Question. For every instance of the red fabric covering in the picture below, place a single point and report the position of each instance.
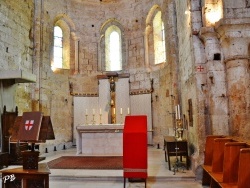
(135, 154)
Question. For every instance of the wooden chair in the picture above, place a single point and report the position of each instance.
(229, 173)
(214, 155)
(243, 171)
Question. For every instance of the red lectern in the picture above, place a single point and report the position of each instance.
(135, 154)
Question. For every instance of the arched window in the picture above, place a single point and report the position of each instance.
(61, 46)
(112, 45)
(155, 44)
(58, 47)
(159, 39)
(113, 53)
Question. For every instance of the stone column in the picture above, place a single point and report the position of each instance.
(235, 40)
(37, 57)
(216, 83)
(76, 41)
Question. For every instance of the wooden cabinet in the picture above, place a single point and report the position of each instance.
(19, 177)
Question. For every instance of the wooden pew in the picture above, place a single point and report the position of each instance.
(208, 156)
(229, 173)
(243, 171)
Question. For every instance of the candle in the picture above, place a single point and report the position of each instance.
(86, 112)
(114, 111)
(100, 111)
(121, 111)
(128, 111)
(179, 114)
(93, 111)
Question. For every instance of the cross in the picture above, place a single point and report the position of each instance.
(199, 68)
(29, 124)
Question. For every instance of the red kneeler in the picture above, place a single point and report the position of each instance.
(135, 153)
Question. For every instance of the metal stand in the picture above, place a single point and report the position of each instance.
(178, 164)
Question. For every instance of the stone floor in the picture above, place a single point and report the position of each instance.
(159, 175)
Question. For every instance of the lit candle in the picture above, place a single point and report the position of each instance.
(86, 112)
(128, 111)
(121, 111)
(100, 111)
(93, 111)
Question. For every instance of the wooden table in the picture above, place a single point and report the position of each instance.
(18, 177)
(175, 147)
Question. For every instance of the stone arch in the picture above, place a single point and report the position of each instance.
(107, 24)
(149, 38)
(68, 28)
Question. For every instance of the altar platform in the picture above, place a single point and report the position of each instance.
(100, 140)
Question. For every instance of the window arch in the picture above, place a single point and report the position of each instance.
(155, 44)
(112, 45)
(113, 53)
(61, 46)
(58, 47)
(159, 39)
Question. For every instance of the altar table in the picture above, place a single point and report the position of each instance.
(100, 140)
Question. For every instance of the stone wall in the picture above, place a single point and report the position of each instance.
(16, 52)
(87, 18)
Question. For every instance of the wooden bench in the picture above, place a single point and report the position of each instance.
(243, 175)
(214, 156)
(229, 173)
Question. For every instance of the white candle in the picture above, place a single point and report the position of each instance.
(86, 112)
(93, 111)
(100, 111)
(179, 114)
(121, 111)
(114, 111)
(128, 111)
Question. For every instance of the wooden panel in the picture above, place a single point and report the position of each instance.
(231, 161)
(218, 154)
(244, 166)
(209, 149)
(8, 119)
(46, 131)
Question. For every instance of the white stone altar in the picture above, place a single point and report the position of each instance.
(100, 140)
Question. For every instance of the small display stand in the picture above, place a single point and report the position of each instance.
(34, 128)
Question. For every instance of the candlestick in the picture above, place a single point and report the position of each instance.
(121, 118)
(86, 119)
(93, 120)
(100, 119)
